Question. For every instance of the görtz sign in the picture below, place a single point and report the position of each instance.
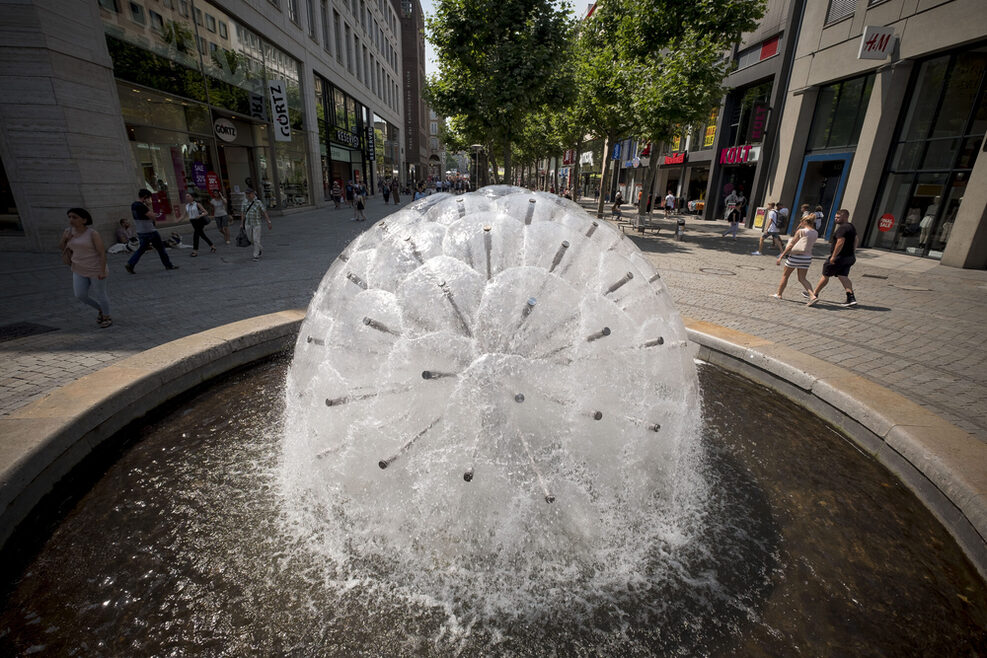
(224, 129)
(748, 153)
(675, 158)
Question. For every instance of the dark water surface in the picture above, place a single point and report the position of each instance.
(178, 549)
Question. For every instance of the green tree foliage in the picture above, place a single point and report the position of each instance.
(646, 66)
(498, 62)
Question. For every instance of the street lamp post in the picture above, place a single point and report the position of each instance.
(476, 166)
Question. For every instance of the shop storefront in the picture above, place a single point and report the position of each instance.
(740, 145)
(386, 143)
(347, 139)
(208, 104)
(836, 124)
(938, 139)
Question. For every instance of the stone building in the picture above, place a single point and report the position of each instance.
(885, 116)
(105, 97)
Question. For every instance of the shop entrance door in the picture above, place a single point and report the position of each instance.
(237, 167)
(821, 183)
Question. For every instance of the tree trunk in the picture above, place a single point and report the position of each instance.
(507, 163)
(647, 185)
(604, 170)
(493, 166)
(575, 184)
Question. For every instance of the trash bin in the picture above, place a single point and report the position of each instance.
(680, 229)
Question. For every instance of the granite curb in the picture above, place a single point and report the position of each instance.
(45, 439)
(943, 465)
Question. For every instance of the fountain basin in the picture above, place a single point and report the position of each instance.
(177, 548)
(940, 463)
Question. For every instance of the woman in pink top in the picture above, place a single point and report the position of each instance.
(799, 255)
(88, 263)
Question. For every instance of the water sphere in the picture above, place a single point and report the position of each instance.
(492, 409)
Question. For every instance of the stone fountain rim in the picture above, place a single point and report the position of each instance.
(942, 464)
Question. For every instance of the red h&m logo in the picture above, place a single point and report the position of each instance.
(675, 158)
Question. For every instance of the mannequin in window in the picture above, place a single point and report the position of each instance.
(909, 227)
(947, 226)
(930, 218)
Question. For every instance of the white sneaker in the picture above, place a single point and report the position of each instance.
(777, 296)
(755, 253)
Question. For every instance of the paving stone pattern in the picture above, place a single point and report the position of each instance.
(918, 328)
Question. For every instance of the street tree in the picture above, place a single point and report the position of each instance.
(667, 61)
(497, 62)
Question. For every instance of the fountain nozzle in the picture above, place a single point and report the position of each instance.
(468, 475)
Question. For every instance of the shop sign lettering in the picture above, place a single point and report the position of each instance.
(212, 181)
(371, 144)
(586, 158)
(257, 107)
(616, 151)
(278, 92)
(199, 174)
(348, 138)
(886, 223)
(739, 154)
(876, 42)
(675, 158)
(225, 130)
(759, 119)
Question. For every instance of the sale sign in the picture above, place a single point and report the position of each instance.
(886, 223)
(212, 181)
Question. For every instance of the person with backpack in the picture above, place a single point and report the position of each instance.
(771, 230)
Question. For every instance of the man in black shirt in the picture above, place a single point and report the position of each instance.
(144, 222)
(841, 259)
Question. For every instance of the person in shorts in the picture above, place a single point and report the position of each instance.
(220, 214)
(799, 255)
(772, 229)
(842, 256)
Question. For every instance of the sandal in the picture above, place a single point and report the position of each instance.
(212, 249)
(194, 254)
(105, 322)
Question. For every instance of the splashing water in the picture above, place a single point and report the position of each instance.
(492, 409)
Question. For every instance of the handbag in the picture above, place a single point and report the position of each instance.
(67, 256)
(241, 238)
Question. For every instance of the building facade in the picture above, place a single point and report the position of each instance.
(886, 116)
(413, 84)
(179, 96)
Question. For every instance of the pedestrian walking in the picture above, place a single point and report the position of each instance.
(618, 200)
(147, 234)
(198, 217)
(386, 191)
(732, 203)
(819, 218)
(842, 256)
(253, 211)
(220, 214)
(771, 230)
(335, 193)
(359, 204)
(82, 247)
(799, 255)
(395, 191)
(783, 217)
(669, 204)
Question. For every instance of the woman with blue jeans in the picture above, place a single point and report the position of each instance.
(88, 263)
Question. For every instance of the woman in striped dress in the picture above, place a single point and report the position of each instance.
(798, 255)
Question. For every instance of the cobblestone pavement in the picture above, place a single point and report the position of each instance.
(919, 327)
